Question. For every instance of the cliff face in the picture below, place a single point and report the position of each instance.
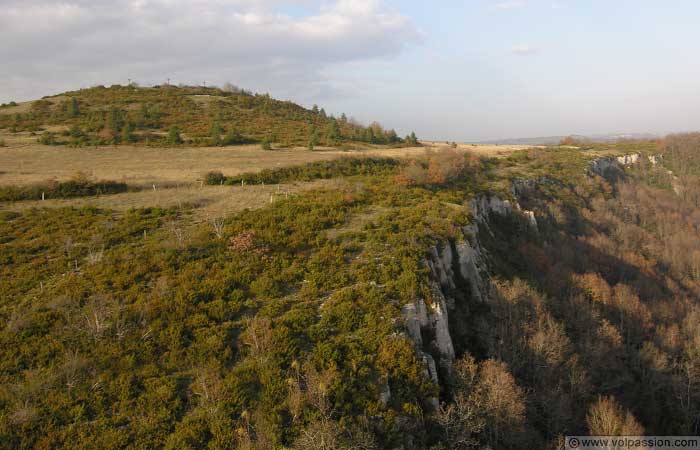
(459, 270)
(445, 324)
(459, 274)
(604, 166)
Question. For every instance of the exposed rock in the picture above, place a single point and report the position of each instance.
(432, 373)
(431, 368)
(412, 323)
(521, 187)
(440, 325)
(603, 166)
(483, 206)
(440, 263)
(468, 258)
(628, 160)
(655, 159)
(385, 395)
(532, 220)
(469, 262)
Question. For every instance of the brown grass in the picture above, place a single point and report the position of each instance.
(208, 201)
(24, 161)
(176, 172)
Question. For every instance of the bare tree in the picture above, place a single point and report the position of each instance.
(217, 224)
(607, 418)
(257, 336)
(96, 315)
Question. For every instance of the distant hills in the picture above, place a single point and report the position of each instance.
(551, 140)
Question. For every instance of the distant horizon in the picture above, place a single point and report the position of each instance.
(491, 140)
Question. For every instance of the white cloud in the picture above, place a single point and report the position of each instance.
(523, 50)
(253, 43)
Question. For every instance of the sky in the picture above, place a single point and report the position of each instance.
(451, 70)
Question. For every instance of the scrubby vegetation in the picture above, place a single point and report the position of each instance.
(282, 327)
(205, 116)
(597, 309)
(79, 185)
(320, 170)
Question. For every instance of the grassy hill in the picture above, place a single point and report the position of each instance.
(171, 115)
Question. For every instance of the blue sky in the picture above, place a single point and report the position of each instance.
(457, 70)
(541, 68)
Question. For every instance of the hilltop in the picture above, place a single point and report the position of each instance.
(173, 115)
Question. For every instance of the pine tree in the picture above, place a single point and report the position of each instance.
(144, 115)
(174, 137)
(73, 107)
(127, 133)
(313, 135)
(114, 121)
(233, 137)
(216, 132)
(315, 109)
(332, 132)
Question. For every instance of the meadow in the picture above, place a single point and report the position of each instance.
(174, 176)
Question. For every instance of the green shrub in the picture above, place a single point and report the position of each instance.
(216, 132)
(233, 137)
(319, 170)
(79, 186)
(174, 137)
(47, 138)
(214, 178)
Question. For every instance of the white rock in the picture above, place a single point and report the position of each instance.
(532, 220)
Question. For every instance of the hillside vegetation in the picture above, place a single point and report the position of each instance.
(172, 115)
(283, 328)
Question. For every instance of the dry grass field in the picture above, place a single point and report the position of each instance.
(207, 202)
(176, 172)
(23, 161)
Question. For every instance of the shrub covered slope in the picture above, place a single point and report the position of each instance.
(284, 329)
(172, 115)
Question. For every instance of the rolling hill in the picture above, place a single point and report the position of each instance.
(170, 115)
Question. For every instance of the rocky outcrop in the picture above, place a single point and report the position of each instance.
(655, 159)
(628, 160)
(609, 164)
(454, 266)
